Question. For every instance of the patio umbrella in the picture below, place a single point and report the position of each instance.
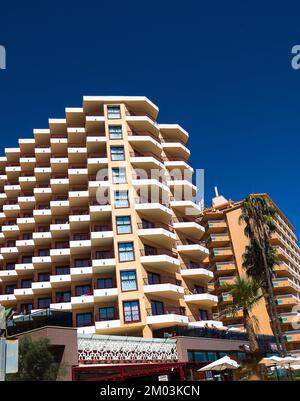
(221, 364)
(276, 360)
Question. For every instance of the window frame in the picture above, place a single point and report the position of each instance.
(135, 279)
(119, 253)
(123, 225)
(131, 301)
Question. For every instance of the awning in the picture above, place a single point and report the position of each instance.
(221, 364)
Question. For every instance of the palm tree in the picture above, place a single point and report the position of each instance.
(246, 294)
(260, 256)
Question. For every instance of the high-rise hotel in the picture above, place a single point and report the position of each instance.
(98, 219)
(226, 241)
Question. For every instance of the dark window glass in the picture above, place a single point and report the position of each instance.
(84, 319)
(157, 308)
(62, 270)
(83, 290)
(44, 303)
(104, 283)
(131, 311)
(107, 313)
(128, 280)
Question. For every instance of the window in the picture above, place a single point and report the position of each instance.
(113, 112)
(203, 315)
(123, 224)
(9, 289)
(62, 270)
(121, 199)
(44, 303)
(131, 311)
(44, 252)
(157, 308)
(84, 319)
(83, 290)
(128, 280)
(10, 266)
(26, 308)
(27, 259)
(63, 296)
(26, 283)
(153, 278)
(107, 313)
(115, 132)
(104, 283)
(198, 289)
(125, 251)
(82, 262)
(117, 153)
(44, 277)
(119, 175)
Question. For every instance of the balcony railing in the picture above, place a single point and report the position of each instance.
(162, 280)
(166, 310)
(158, 251)
(149, 225)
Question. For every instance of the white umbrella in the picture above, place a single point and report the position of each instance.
(221, 364)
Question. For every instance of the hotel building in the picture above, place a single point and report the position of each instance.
(226, 242)
(88, 228)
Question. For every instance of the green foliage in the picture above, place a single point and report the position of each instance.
(245, 293)
(260, 256)
(36, 363)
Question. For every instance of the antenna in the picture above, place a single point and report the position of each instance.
(216, 191)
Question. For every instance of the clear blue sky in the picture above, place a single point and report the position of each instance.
(221, 69)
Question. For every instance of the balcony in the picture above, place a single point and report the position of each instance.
(216, 226)
(26, 202)
(183, 189)
(95, 184)
(25, 245)
(11, 230)
(60, 254)
(80, 246)
(59, 164)
(24, 268)
(186, 207)
(225, 297)
(165, 289)
(107, 326)
(23, 293)
(42, 194)
(225, 267)
(222, 253)
(26, 223)
(219, 239)
(224, 281)
(77, 154)
(104, 262)
(175, 148)
(178, 164)
(292, 336)
(288, 300)
(78, 198)
(198, 251)
(289, 318)
(80, 273)
(146, 161)
(171, 316)
(102, 235)
(11, 210)
(143, 123)
(285, 285)
(96, 162)
(144, 143)
(202, 300)
(157, 232)
(105, 294)
(10, 251)
(77, 175)
(160, 258)
(41, 287)
(174, 132)
(82, 301)
(26, 182)
(59, 185)
(94, 124)
(212, 324)
(151, 185)
(42, 215)
(190, 228)
(60, 280)
(7, 299)
(64, 306)
(102, 212)
(197, 273)
(96, 143)
(155, 210)
(79, 221)
(58, 230)
(8, 275)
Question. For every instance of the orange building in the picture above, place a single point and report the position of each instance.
(226, 241)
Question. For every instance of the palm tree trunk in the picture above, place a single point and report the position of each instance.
(254, 347)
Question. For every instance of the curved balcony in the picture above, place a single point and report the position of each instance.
(160, 258)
